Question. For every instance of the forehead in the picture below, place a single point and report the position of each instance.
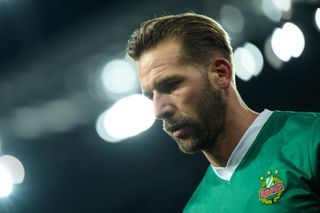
(165, 54)
(158, 62)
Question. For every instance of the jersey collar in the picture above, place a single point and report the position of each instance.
(243, 146)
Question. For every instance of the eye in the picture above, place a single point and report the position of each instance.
(148, 95)
(169, 86)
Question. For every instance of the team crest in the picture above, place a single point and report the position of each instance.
(271, 189)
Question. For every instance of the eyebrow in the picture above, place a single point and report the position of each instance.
(162, 82)
(167, 79)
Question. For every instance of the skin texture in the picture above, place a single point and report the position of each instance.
(200, 108)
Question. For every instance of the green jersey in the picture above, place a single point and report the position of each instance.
(278, 173)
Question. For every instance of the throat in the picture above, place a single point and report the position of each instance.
(219, 152)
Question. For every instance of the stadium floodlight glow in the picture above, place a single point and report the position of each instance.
(28, 122)
(119, 77)
(243, 63)
(283, 5)
(14, 167)
(248, 61)
(5, 182)
(257, 56)
(231, 19)
(127, 117)
(295, 38)
(271, 10)
(102, 131)
(287, 42)
(276, 9)
(280, 45)
(317, 18)
(270, 56)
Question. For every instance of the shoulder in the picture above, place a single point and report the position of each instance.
(295, 120)
(295, 126)
(297, 116)
(299, 133)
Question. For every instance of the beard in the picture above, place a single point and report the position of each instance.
(206, 124)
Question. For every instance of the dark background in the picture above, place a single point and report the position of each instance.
(49, 50)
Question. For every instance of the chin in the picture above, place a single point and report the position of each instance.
(189, 146)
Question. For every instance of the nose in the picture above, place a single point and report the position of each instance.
(163, 106)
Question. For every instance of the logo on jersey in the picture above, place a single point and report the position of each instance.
(271, 189)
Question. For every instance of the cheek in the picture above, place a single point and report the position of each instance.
(189, 96)
(189, 100)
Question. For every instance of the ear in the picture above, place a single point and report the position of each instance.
(222, 69)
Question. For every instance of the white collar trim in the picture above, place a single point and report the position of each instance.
(243, 146)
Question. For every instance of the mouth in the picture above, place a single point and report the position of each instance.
(179, 131)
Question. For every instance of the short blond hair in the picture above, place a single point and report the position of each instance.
(200, 37)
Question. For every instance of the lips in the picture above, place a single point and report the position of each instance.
(179, 131)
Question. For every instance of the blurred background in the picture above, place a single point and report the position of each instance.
(76, 136)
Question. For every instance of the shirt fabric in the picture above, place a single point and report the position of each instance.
(243, 146)
(278, 171)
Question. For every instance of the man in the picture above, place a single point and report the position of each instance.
(267, 162)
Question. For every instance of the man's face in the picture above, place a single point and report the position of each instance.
(192, 110)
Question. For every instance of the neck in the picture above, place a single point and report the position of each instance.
(238, 119)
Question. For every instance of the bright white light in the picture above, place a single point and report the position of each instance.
(243, 63)
(271, 10)
(287, 42)
(248, 61)
(14, 167)
(295, 38)
(280, 45)
(317, 18)
(5, 182)
(102, 131)
(284, 5)
(231, 19)
(257, 58)
(119, 77)
(127, 117)
(270, 56)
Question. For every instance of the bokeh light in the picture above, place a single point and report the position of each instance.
(127, 117)
(270, 56)
(257, 56)
(283, 5)
(5, 182)
(231, 19)
(276, 9)
(119, 78)
(271, 11)
(27, 123)
(287, 41)
(101, 130)
(53, 116)
(14, 168)
(317, 18)
(248, 61)
(60, 115)
(243, 61)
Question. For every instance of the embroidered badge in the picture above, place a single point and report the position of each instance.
(271, 189)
